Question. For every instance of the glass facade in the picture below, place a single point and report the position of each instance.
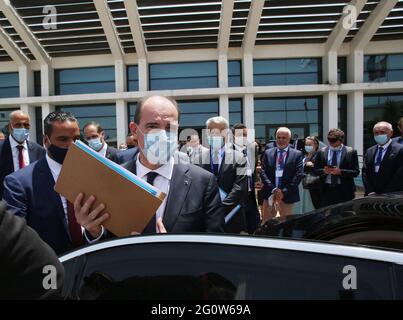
(235, 111)
(341, 69)
(104, 114)
(4, 117)
(380, 68)
(234, 73)
(381, 108)
(9, 85)
(131, 109)
(37, 84)
(186, 75)
(287, 71)
(132, 78)
(39, 125)
(85, 80)
(302, 115)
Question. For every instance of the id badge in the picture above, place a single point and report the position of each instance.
(279, 173)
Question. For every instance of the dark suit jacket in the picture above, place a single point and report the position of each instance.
(231, 178)
(35, 152)
(348, 165)
(193, 203)
(29, 194)
(111, 152)
(122, 156)
(292, 174)
(390, 175)
(23, 256)
(398, 139)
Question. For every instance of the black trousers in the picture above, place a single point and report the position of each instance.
(334, 195)
(315, 197)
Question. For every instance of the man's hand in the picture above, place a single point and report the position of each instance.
(327, 170)
(335, 171)
(160, 228)
(309, 164)
(278, 195)
(90, 218)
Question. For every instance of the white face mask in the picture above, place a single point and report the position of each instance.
(159, 145)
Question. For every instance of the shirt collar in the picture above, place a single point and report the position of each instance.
(285, 149)
(14, 143)
(165, 170)
(103, 149)
(386, 145)
(55, 167)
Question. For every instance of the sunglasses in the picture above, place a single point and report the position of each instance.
(332, 140)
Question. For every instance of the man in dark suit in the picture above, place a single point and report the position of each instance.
(192, 203)
(399, 139)
(337, 166)
(16, 152)
(30, 192)
(230, 169)
(95, 137)
(282, 171)
(250, 151)
(382, 170)
(24, 258)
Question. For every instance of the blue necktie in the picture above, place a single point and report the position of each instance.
(379, 158)
(215, 162)
(152, 225)
(334, 163)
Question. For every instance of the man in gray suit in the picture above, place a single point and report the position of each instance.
(192, 203)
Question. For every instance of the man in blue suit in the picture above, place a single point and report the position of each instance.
(399, 139)
(16, 152)
(29, 192)
(281, 174)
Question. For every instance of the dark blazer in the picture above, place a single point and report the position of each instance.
(349, 169)
(110, 152)
(292, 173)
(122, 156)
(29, 194)
(35, 152)
(193, 203)
(390, 175)
(23, 256)
(231, 178)
(398, 139)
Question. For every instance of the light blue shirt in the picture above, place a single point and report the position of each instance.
(329, 162)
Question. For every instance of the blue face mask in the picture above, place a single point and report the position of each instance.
(216, 142)
(381, 139)
(20, 134)
(159, 146)
(308, 149)
(95, 144)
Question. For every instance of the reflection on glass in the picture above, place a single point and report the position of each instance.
(9, 85)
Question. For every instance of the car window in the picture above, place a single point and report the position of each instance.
(214, 271)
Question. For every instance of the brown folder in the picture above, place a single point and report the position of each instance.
(130, 201)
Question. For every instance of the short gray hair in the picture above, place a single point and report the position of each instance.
(384, 124)
(284, 129)
(218, 120)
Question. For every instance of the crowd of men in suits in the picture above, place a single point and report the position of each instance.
(209, 189)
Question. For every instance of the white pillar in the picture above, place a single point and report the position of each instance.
(120, 76)
(223, 71)
(26, 80)
(121, 121)
(329, 66)
(47, 80)
(249, 114)
(143, 74)
(46, 109)
(355, 121)
(330, 114)
(30, 110)
(247, 68)
(355, 67)
(224, 107)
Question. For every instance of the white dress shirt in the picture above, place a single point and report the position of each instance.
(161, 182)
(15, 152)
(102, 152)
(55, 168)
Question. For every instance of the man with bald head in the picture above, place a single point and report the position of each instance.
(16, 152)
(382, 170)
(281, 174)
(192, 202)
